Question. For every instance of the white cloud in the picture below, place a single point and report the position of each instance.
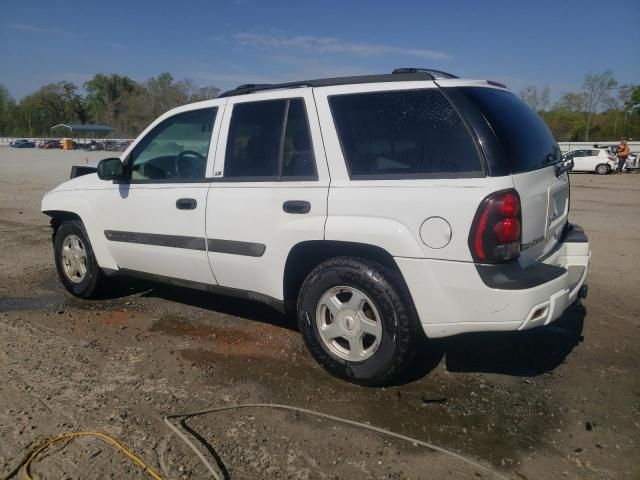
(25, 27)
(313, 44)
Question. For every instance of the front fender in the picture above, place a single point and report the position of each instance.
(69, 201)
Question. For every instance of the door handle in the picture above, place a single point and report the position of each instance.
(186, 204)
(296, 206)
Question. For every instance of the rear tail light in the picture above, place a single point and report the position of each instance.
(496, 232)
(611, 158)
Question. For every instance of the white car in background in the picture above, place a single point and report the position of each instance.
(598, 160)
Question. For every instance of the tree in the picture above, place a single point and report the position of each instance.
(204, 93)
(596, 88)
(7, 105)
(49, 105)
(529, 93)
(538, 100)
(164, 93)
(545, 99)
(571, 102)
(105, 95)
(634, 103)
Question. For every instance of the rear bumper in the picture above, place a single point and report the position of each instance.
(459, 297)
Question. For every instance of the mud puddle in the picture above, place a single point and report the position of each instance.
(256, 341)
(18, 304)
(470, 413)
(459, 411)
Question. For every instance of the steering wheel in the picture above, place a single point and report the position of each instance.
(190, 164)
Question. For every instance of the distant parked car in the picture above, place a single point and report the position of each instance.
(598, 160)
(23, 143)
(122, 146)
(92, 146)
(51, 144)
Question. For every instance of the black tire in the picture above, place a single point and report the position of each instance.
(603, 169)
(401, 329)
(89, 284)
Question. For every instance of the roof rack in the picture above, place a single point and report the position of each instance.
(398, 75)
(436, 74)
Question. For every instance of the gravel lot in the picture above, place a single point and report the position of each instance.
(557, 402)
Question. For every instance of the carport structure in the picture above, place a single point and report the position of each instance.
(84, 128)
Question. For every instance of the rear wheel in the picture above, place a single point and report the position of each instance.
(603, 169)
(358, 320)
(75, 262)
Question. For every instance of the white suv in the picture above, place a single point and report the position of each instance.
(378, 208)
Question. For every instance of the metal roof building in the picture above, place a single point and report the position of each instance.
(80, 128)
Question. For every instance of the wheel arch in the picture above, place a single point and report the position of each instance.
(59, 216)
(305, 256)
(60, 207)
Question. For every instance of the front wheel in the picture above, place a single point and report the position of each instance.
(603, 169)
(358, 320)
(75, 262)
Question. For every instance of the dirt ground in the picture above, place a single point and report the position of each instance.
(557, 402)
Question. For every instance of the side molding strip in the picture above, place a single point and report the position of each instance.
(160, 240)
(236, 247)
(232, 247)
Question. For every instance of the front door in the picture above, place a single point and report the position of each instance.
(155, 220)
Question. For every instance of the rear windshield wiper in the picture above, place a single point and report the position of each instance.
(551, 159)
(564, 166)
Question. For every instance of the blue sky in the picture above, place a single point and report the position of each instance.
(229, 42)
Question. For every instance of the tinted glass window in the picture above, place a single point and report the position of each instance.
(269, 139)
(403, 134)
(527, 142)
(297, 150)
(176, 149)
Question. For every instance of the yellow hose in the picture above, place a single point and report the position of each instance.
(104, 436)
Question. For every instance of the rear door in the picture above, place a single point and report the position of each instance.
(532, 155)
(269, 191)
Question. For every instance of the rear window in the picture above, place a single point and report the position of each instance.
(527, 142)
(403, 134)
(270, 140)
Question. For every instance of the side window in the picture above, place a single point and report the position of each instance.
(270, 140)
(297, 151)
(176, 149)
(403, 134)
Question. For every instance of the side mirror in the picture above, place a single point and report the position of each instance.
(110, 169)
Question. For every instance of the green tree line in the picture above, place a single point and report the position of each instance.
(601, 110)
(116, 100)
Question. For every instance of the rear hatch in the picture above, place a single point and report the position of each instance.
(531, 155)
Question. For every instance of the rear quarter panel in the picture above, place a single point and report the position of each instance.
(389, 213)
